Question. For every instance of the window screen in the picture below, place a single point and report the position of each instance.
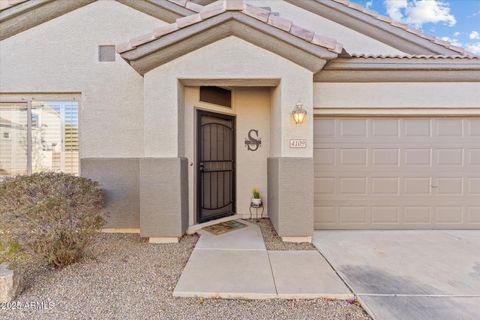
(216, 95)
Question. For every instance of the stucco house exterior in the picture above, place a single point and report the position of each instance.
(180, 108)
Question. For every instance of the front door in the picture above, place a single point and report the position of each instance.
(215, 166)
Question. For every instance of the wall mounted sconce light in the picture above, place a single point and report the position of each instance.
(299, 113)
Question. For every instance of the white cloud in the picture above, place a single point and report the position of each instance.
(475, 14)
(473, 48)
(419, 12)
(369, 4)
(456, 34)
(453, 41)
(474, 35)
(395, 8)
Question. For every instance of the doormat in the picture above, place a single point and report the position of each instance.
(224, 227)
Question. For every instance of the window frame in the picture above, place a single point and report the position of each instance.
(27, 99)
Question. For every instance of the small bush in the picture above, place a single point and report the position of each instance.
(53, 216)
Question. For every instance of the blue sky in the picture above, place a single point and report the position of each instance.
(457, 21)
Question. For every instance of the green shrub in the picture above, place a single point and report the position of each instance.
(50, 215)
(9, 252)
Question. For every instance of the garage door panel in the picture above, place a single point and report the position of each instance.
(385, 128)
(326, 215)
(417, 157)
(353, 156)
(325, 156)
(397, 173)
(385, 186)
(353, 185)
(473, 127)
(325, 185)
(417, 215)
(449, 215)
(417, 186)
(473, 215)
(416, 128)
(324, 128)
(382, 215)
(448, 186)
(352, 128)
(353, 215)
(473, 157)
(385, 156)
(474, 185)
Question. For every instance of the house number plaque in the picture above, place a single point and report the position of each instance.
(298, 143)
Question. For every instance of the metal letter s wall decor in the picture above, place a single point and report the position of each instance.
(253, 142)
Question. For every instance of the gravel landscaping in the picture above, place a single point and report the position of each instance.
(273, 240)
(124, 277)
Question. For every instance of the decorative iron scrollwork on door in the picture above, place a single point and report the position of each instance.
(253, 142)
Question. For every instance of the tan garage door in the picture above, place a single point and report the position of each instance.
(397, 173)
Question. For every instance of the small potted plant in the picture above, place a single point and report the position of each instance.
(256, 200)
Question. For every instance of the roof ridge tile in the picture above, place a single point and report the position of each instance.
(219, 7)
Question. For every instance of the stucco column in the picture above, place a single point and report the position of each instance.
(163, 198)
(163, 178)
(290, 165)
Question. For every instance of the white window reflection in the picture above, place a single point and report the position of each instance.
(54, 138)
(13, 139)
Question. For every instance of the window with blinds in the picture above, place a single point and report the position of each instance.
(48, 142)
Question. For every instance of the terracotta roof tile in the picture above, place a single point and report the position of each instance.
(324, 41)
(231, 5)
(216, 8)
(280, 22)
(261, 14)
(212, 10)
(194, 6)
(303, 33)
(163, 30)
(415, 56)
(188, 20)
(401, 26)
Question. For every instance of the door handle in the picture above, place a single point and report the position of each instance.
(201, 167)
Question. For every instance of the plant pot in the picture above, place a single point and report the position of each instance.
(256, 202)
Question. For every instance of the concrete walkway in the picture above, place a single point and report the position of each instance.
(237, 265)
(411, 275)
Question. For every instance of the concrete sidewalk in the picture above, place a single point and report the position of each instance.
(237, 265)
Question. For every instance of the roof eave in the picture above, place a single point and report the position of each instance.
(164, 10)
(400, 70)
(166, 48)
(29, 14)
(26, 15)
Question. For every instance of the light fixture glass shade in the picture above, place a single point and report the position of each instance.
(299, 113)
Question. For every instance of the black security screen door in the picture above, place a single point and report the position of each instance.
(216, 166)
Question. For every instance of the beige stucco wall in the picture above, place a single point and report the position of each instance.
(229, 58)
(353, 41)
(397, 95)
(62, 56)
(251, 108)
